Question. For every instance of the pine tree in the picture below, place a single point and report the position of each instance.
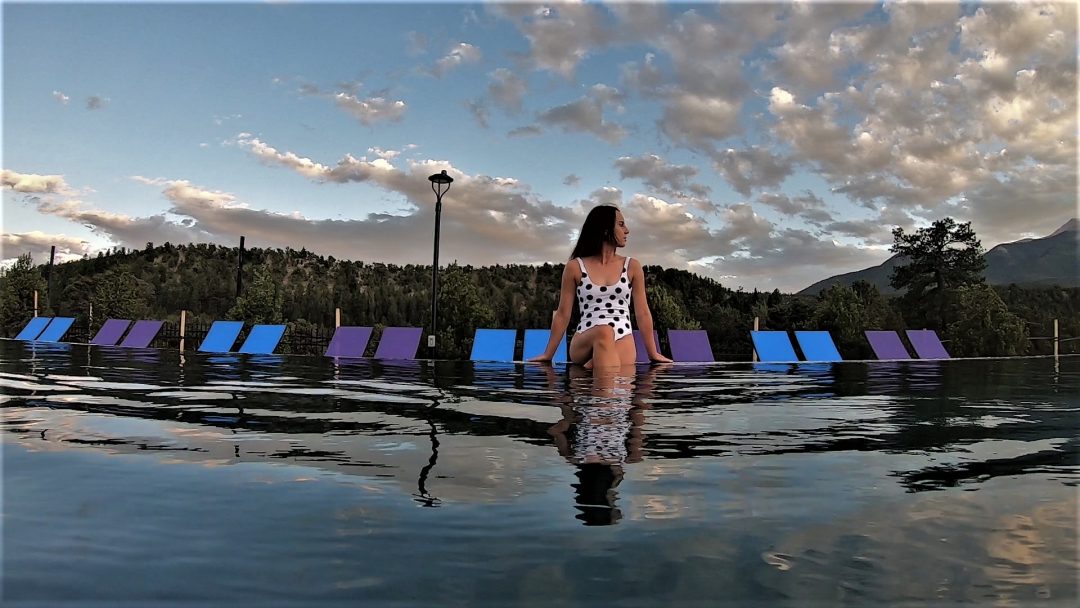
(17, 286)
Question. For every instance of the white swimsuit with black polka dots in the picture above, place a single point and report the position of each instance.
(605, 304)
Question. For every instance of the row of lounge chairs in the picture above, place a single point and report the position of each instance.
(262, 339)
(488, 344)
(396, 342)
(693, 345)
(776, 346)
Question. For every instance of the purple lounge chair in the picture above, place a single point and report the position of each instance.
(887, 345)
(142, 334)
(399, 343)
(927, 344)
(349, 341)
(639, 343)
(110, 332)
(690, 345)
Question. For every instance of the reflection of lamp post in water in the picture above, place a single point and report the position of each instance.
(440, 184)
(422, 496)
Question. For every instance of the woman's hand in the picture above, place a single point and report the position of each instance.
(658, 358)
(543, 358)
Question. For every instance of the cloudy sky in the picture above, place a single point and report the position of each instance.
(766, 146)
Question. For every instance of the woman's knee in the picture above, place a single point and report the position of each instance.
(605, 337)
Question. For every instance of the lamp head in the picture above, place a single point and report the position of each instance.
(441, 178)
(440, 183)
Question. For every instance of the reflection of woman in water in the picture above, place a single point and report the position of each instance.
(601, 430)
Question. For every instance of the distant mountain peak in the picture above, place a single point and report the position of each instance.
(1069, 226)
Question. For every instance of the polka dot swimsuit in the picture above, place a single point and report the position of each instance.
(605, 304)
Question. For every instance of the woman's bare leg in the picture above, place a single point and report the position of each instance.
(597, 344)
(627, 351)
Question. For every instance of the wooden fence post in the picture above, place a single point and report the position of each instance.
(1057, 338)
(753, 351)
(337, 318)
(35, 303)
(183, 328)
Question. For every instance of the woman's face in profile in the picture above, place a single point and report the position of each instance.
(621, 232)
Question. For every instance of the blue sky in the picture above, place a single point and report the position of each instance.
(766, 146)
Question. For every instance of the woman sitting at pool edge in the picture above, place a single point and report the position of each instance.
(603, 283)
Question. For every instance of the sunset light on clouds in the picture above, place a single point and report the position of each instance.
(766, 146)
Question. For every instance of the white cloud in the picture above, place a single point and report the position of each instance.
(560, 35)
(459, 55)
(61, 97)
(39, 245)
(479, 112)
(416, 43)
(807, 205)
(507, 90)
(698, 121)
(657, 173)
(752, 168)
(587, 114)
(31, 183)
(371, 110)
(669, 181)
(526, 131)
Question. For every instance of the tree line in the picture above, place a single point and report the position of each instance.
(942, 289)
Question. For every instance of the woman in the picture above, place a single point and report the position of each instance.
(603, 283)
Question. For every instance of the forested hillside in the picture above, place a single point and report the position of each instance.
(304, 289)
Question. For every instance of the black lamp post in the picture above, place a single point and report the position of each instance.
(440, 184)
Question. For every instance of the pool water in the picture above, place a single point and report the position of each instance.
(147, 477)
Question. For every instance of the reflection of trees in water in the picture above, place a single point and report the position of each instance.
(926, 406)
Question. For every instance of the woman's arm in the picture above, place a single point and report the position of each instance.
(561, 318)
(642, 313)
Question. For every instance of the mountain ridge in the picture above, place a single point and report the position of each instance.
(1050, 260)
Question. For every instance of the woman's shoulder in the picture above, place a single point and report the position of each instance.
(573, 267)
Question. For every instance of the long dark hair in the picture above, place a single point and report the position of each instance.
(599, 228)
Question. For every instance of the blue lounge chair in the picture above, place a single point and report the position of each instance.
(221, 337)
(817, 346)
(33, 328)
(349, 341)
(493, 345)
(263, 339)
(536, 341)
(690, 345)
(773, 346)
(56, 329)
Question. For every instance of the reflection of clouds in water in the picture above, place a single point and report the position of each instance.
(1027, 548)
(990, 546)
